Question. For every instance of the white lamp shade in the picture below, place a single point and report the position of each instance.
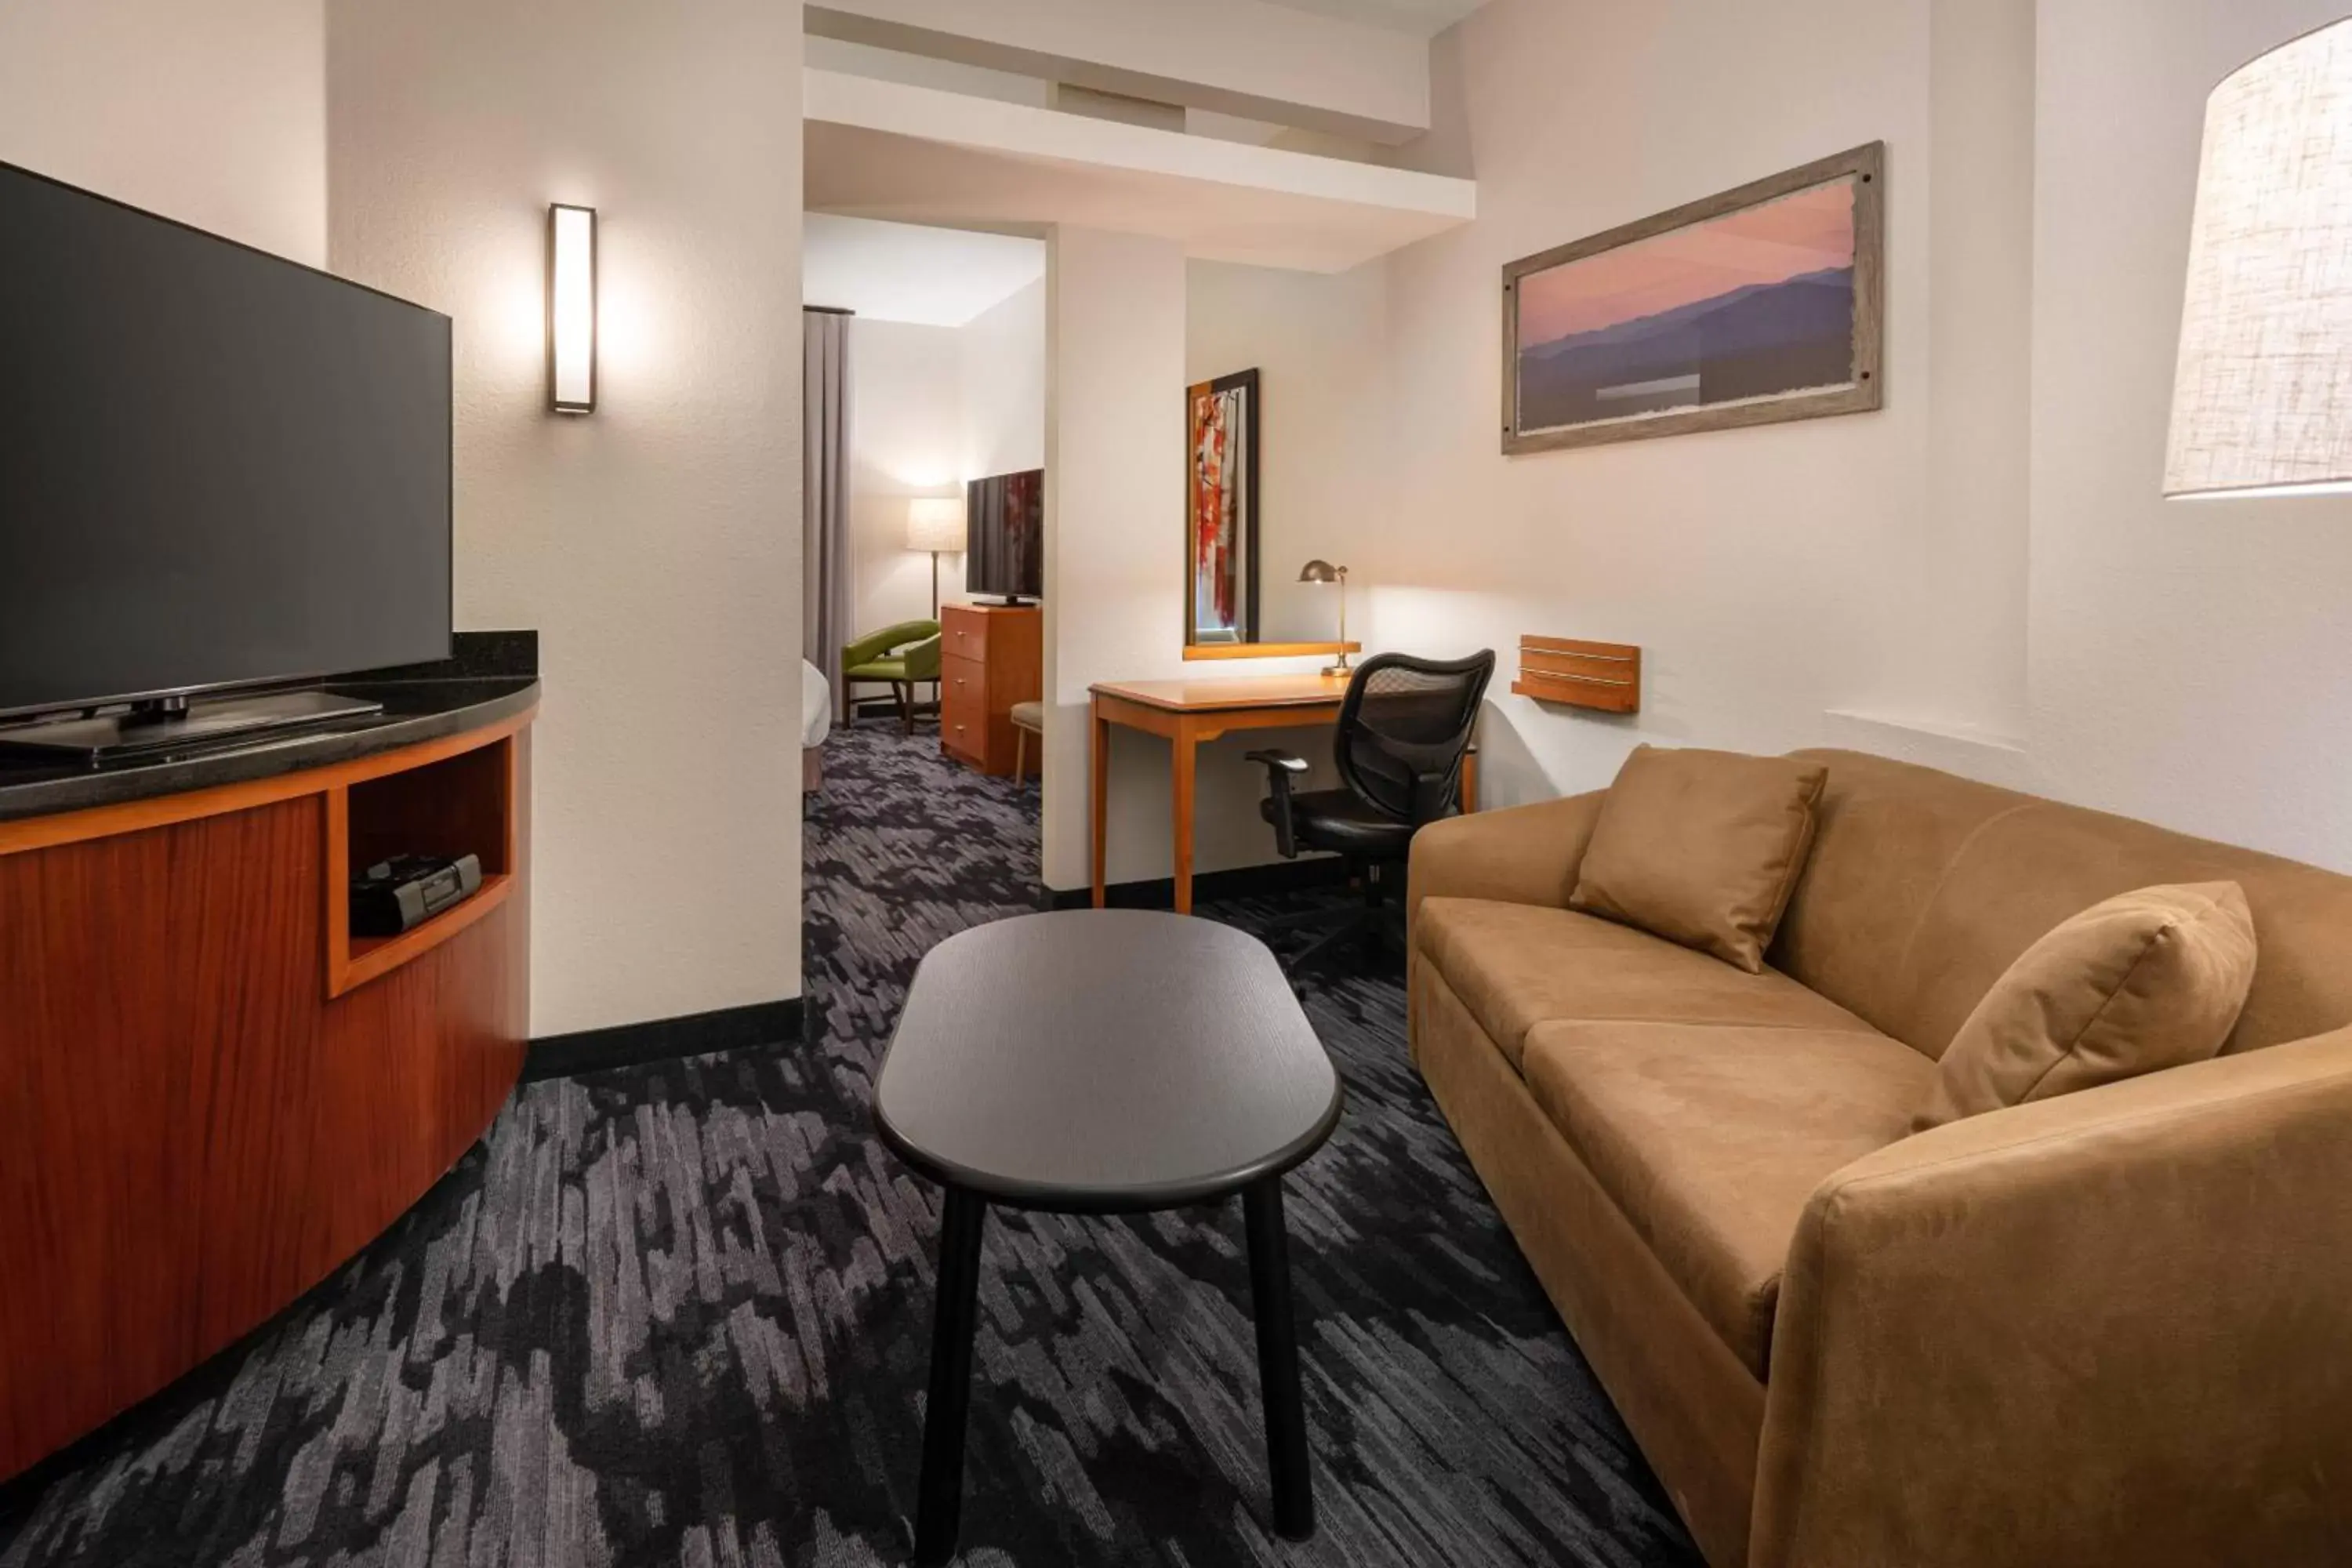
(2262, 398)
(935, 522)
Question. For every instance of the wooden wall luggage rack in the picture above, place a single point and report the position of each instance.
(1603, 676)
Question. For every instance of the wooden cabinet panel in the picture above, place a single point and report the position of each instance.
(963, 680)
(994, 657)
(963, 709)
(964, 631)
(195, 1132)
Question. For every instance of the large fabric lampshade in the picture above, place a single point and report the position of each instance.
(935, 522)
(2262, 398)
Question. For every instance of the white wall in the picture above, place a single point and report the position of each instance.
(214, 114)
(906, 439)
(1770, 573)
(655, 543)
(931, 407)
(1965, 669)
(1003, 372)
(1983, 576)
(1114, 513)
(2191, 663)
(1319, 343)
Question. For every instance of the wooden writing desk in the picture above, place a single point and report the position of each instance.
(1189, 713)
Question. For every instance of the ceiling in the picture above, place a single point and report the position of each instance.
(1421, 18)
(908, 272)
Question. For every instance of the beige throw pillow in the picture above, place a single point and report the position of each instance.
(2146, 980)
(1702, 849)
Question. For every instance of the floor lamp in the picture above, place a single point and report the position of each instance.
(2265, 367)
(935, 523)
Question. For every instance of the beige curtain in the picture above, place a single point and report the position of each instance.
(826, 579)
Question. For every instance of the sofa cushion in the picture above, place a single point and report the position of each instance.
(1515, 965)
(1710, 1139)
(2142, 981)
(1702, 848)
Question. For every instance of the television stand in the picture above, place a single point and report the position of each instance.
(170, 725)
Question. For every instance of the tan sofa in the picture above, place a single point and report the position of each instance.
(2109, 1328)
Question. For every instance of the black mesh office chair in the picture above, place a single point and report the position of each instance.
(1405, 728)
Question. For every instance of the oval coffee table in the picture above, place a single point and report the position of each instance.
(1104, 1062)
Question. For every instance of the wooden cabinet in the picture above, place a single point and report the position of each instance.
(212, 1094)
(991, 656)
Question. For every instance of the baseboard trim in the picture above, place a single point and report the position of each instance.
(1242, 882)
(664, 1039)
(882, 708)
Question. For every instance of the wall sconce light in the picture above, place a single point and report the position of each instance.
(571, 308)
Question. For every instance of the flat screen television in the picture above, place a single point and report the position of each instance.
(1005, 536)
(218, 468)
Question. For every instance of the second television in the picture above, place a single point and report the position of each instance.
(1004, 550)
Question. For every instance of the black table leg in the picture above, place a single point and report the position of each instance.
(938, 1500)
(1277, 1361)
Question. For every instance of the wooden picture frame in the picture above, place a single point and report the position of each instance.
(1620, 336)
(1221, 511)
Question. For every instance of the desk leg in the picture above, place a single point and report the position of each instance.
(1098, 810)
(1470, 782)
(1183, 761)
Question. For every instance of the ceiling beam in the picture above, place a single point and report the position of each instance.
(1243, 57)
(916, 155)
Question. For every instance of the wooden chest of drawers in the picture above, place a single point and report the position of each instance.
(990, 657)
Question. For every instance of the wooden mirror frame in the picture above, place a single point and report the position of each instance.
(1269, 649)
(1246, 383)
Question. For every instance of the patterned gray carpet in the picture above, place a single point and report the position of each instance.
(680, 1315)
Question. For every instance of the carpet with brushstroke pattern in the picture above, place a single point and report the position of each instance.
(680, 1315)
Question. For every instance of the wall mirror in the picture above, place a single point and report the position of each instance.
(1228, 612)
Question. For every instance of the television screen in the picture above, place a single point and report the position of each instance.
(217, 467)
(1004, 539)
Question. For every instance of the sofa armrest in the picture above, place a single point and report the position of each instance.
(1522, 855)
(2114, 1326)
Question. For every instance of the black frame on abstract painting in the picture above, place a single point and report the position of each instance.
(1246, 629)
(1674, 336)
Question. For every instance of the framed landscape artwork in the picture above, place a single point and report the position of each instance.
(1757, 305)
(1221, 511)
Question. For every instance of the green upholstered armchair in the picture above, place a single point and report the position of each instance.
(899, 655)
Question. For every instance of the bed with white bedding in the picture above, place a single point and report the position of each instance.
(816, 723)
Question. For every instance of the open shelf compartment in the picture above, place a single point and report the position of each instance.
(458, 805)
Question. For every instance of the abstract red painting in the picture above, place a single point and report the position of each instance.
(1221, 550)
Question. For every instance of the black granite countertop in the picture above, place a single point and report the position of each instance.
(489, 676)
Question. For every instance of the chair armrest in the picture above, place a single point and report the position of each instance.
(923, 658)
(1281, 768)
(875, 645)
(2114, 1326)
(1522, 855)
